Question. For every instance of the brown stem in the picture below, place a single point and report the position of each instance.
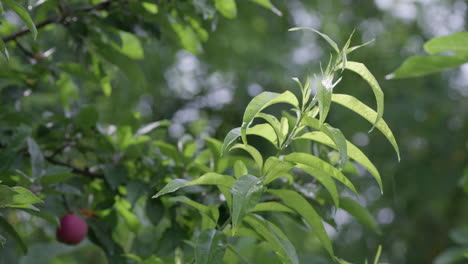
(61, 19)
(84, 172)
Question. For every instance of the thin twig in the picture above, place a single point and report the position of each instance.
(84, 172)
(61, 19)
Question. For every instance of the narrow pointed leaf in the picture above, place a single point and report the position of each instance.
(362, 70)
(325, 179)
(274, 123)
(23, 14)
(268, 5)
(377, 255)
(324, 100)
(4, 50)
(361, 213)
(246, 193)
(230, 138)
(206, 179)
(210, 247)
(319, 164)
(334, 134)
(327, 38)
(274, 237)
(284, 126)
(370, 115)
(359, 46)
(299, 204)
(272, 207)
(254, 153)
(260, 102)
(37, 159)
(353, 152)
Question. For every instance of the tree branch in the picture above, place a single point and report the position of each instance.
(84, 172)
(61, 19)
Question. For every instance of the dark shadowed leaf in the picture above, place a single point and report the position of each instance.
(246, 193)
(274, 237)
(6, 227)
(210, 247)
(299, 204)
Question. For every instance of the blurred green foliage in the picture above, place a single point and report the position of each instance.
(89, 88)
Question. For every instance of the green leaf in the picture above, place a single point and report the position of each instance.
(187, 36)
(23, 14)
(23, 197)
(254, 153)
(333, 133)
(353, 152)
(274, 237)
(324, 178)
(275, 124)
(246, 193)
(327, 38)
(123, 207)
(227, 8)
(206, 179)
(210, 247)
(275, 168)
(115, 175)
(324, 100)
(150, 7)
(363, 110)
(2, 238)
(128, 66)
(260, 102)
(456, 42)
(267, 4)
(284, 126)
(362, 70)
(271, 207)
(452, 256)
(416, 66)
(299, 204)
(240, 169)
(55, 174)
(319, 164)
(265, 131)
(211, 212)
(230, 138)
(37, 159)
(359, 46)
(10, 230)
(6, 195)
(3, 49)
(169, 151)
(377, 255)
(361, 213)
(131, 45)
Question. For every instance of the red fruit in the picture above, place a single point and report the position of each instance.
(72, 229)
